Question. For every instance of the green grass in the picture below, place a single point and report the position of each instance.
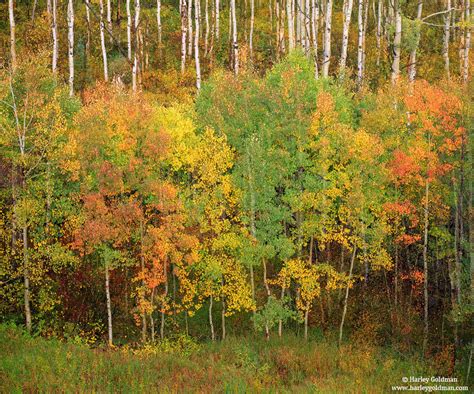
(34, 364)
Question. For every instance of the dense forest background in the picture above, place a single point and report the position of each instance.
(206, 168)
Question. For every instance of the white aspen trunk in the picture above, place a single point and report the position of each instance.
(397, 40)
(158, 21)
(211, 324)
(190, 28)
(347, 13)
(196, 43)
(102, 41)
(129, 31)
(298, 22)
(109, 303)
(462, 36)
(235, 44)
(412, 62)
(54, 31)
(306, 315)
(467, 41)
(252, 22)
(70, 36)
(361, 42)
(291, 27)
(137, 46)
(109, 19)
(307, 28)
(184, 29)
(33, 11)
(26, 277)
(223, 319)
(314, 30)
(217, 19)
(346, 298)
(379, 30)
(327, 40)
(446, 37)
(88, 22)
(12, 35)
(206, 36)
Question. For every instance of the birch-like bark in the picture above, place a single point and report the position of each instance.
(412, 63)
(129, 31)
(211, 324)
(102, 41)
(397, 40)
(165, 294)
(158, 21)
(307, 28)
(235, 43)
(298, 22)
(314, 30)
(217, 19)
(346, 298)
(70, 40)
(361, 42)
(206, 35)
(11, 15)
(291, 26)
(252, 23)
(446, 37)
(54, 31)
(347, 13)
(109, 304)
(109, 19)
(196, 43)
(327, 39)
(184, 30)
(379, 30)
(26, 278)
(137, 46)
(190, 28)
(467, 41)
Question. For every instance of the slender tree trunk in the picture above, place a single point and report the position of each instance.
(379, 30)
(102, 41)
(360, 44)
(206, 36)
(184, 30)
(109, 19)
(223, 315)
(217, 19)
(235, 43)
(291, 27)
(109, 303)
(54, 31)
(280, 322)
(346, 298)
(211, 324)
(397, 41)
(129, 31)
(137, 46)
(88, 22)
(196, 44)
(162, 327)
(252, 23)
(158, 23)
(26, 277)
(412, 63)
(70, 36)
(152, 321)
(347, 12)
(33, 11)
(425, 268)
(306, 315)
(327, 40)
(467, 41)
(142, 267)
(307, 28)
(446, 37)
(190, 28)
(12, 35)
(314, 29)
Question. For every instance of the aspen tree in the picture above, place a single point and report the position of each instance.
(235, 44)
(196, 43)
(291, 27)
(379, 30)
(446, 37)
(109, 18)
(252, 22)
(327, 39)
(102, 40)
(397, 40)
(217, 19)
(88, 22)
(467, 40)
(190, 28)
(137, 45)
(184, 29)
(412, 62)
(347, 13)
(158, 21)
(307, 27)
(70, 24)
(206, 20)
(12, 35)
(362, 15)
(129, 31)
(54, 31)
